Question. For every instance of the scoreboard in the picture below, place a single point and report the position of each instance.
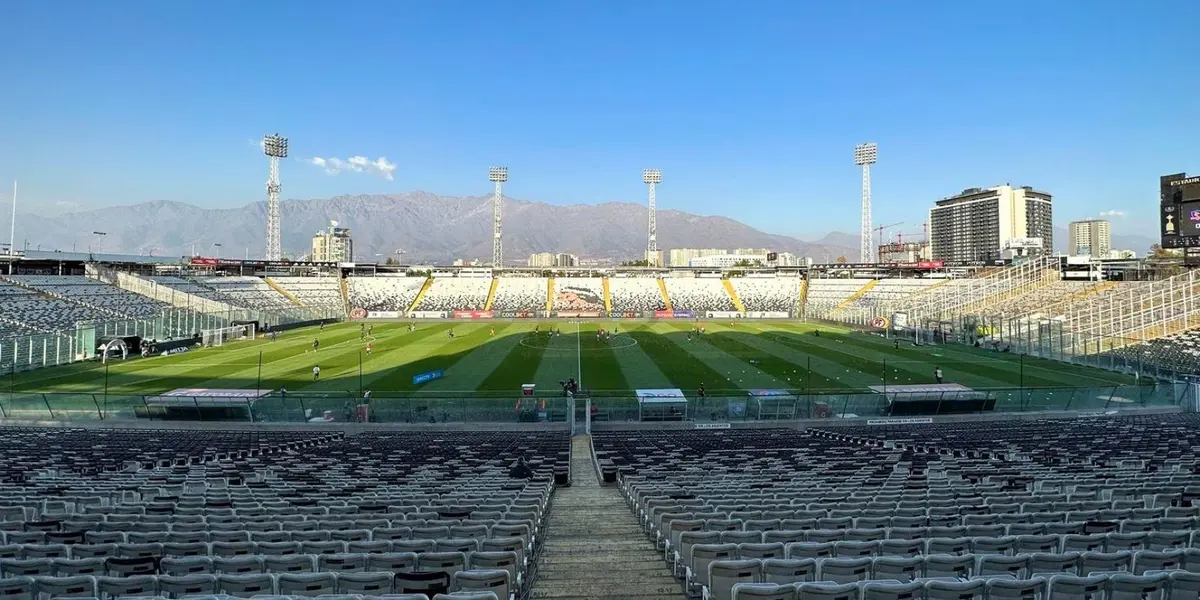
(1179, 211)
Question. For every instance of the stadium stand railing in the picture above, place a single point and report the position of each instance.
(616, 406)
(938, 303)
(1136, 327)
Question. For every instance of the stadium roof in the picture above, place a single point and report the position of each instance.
(111, 258)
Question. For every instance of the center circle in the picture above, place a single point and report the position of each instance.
(545, 342)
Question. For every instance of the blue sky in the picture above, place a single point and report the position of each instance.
(751, 109)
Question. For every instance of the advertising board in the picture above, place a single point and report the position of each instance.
(473, 314)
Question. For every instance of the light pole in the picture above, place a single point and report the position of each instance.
(12, 231)
(652, 177)
(864, 156)
(99, 240)
(498, 176)
(275, 147)
(218, 250)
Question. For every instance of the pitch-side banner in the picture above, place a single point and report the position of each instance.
(723, 314)
(578, 315)
(427, 314)
(473, 314)
(383, 314)
(684, 314)
(770, 314)
(664, 314)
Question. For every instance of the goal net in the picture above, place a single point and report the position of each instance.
(218, 337)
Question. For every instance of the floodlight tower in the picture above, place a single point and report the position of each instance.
(864, 156)
(275, 147)
(652, 177)
(497, 175)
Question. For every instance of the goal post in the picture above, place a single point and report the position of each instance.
(219, 336)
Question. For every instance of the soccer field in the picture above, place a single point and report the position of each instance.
(729, 359)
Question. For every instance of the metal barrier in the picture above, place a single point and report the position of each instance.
(620, 406)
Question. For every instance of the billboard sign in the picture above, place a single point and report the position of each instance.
(723, 314)
(383, 314)
(683, 314)
(427, 314)
(770, 314)
(664, 314)
(473, 314)
(427, 376)
(578, 315)
(1189, 219)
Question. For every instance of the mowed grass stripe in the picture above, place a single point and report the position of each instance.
(907, 366)
(392, 364)
(682, 369)
(517, 366)
(741, 374)
(971, 370)
(561, 356)
(638, 369)
(601, 367)
(782, 361)
(473, 358)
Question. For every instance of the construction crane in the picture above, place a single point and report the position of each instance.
(879, 231)
(924, 234)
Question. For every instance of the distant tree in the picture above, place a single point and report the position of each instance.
(391, 261)
(841, 260)
(636, 263)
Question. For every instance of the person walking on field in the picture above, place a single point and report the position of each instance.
(368, 348)
(937, 374)
(316, 372)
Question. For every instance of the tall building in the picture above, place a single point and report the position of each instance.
(751, 251)
(654, 258)
(1089, 238)
(550, 259)
(728, 260)
(986, 224)
(682, 257)
(333, 245)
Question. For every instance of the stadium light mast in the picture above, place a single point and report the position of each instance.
(99, 240)
(275, 147)
(864, 156)
(497, 175)
(12, 230)
(652, 177)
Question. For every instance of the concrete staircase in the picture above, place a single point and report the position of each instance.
(733, 296)
(421, 295)
(594, 548)
(282, 291)
(662, 289)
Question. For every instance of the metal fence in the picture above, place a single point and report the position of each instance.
(35, 351)
(611, 407)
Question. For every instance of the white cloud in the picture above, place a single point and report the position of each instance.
(355, 164)
(1112, 213)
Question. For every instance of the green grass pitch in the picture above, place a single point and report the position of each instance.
(495, 358)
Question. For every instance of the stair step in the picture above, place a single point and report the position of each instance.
(594, 547)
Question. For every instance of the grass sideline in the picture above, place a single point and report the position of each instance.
(495, 358)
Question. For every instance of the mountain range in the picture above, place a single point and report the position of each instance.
(425, 226)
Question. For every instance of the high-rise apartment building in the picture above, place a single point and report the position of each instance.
(550, 259)
(333, 245)
(1089, 238)
(986, 224)
(682, 257)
